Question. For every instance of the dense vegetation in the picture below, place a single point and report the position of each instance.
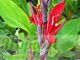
(18, 34)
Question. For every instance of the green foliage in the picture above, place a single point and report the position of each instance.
(67, 37)
(69, 54)
(7, 40)
(13, 15)
(52, 52)
(16, 13)
(79, 40)
(5, 37)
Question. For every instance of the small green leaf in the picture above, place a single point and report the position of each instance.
(52, 52)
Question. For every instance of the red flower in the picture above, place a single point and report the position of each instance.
(52, 26)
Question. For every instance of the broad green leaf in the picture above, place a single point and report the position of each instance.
(15, 57)
(23, 4)
(68, 54)
(74, 5)
(28, 11)
(16, 1)
(32, 29)
(32, 32)
(26, 7)
(13, 15)
(67, 37)
(78, 42)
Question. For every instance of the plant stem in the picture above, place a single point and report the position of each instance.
(39, 35)
(45, 46)
(44, 11)
(44, 50)
(48, 2)
(31, 54)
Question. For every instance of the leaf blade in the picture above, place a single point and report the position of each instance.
(13, 15)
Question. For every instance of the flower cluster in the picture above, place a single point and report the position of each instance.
(53, 26)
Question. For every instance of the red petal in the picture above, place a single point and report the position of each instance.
(58, 28)
(52, 29)
(39, 18)
(51, 39)
(34, 15)
(57, 10)
(32, 20)
(55, 13)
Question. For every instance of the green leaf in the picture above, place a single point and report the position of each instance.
(79, 40)
(23, 44)
(52, 52)
(15, 57)
(26, 7)
(78, 43)
(68, 54)
(23, 4)
(7, 38)
(16, 1)
(67, 37)
(28, 11)
(35, 46)
(32, 29)
(13, 15)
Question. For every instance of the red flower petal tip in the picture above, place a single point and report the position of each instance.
(36, 18)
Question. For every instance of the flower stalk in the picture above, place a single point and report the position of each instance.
(31, 54)
(47, 28)
(44, 47)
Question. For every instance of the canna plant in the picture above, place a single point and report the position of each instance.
(54, 36)
(47, 25)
